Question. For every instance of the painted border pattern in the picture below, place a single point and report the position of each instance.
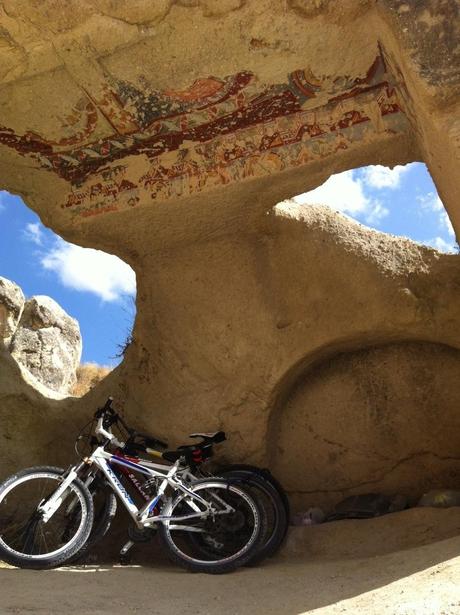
(213, 133)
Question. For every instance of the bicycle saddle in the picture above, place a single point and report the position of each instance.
(196, 453)
(215, 437)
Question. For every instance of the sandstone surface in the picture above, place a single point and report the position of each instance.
(43, 339)
(168, 133)
(326, 350)
(342, 568)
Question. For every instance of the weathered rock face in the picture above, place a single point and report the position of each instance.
(229, 328)
(11, 306)
(327, 351)
(34, 427)
(171, 146)
(47, 342)
(381, 416)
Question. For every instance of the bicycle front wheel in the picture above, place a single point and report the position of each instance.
(26, 540)
(231, 531)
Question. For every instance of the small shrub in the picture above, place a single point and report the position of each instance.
(88, 375)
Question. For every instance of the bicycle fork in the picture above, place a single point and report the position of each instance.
(48, 507)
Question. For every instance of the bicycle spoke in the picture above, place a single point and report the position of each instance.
(30, 533)
(220, 537)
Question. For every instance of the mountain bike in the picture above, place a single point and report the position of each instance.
(260, 483)
(47, 514)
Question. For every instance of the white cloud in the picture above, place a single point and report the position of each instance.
(446, 224)
(33, 233)
(85, 269)
(82, 269)
(377, 176)
(341, 192)
(2, 204)
(345, 192)
(441, 245)
(432, 202)
(376, 213)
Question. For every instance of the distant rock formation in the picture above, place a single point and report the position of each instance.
(41, 336)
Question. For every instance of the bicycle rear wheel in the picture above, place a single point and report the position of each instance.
(26, 540)
(263, 473)
(271, 506)
(105, 509)
(236, 523)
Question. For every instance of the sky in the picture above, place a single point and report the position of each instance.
(94, 287)
(401, 201)
(99, 289)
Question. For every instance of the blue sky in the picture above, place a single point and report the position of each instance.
(401, 201)
(98, 289)
(95, 288)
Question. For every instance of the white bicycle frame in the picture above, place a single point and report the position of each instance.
(102, 460)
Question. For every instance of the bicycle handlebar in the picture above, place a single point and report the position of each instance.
(107, 417)
(106, 408)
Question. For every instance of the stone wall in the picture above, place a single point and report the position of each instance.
(383, 418)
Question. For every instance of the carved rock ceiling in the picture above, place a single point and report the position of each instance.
(134, 103)
(120, 104)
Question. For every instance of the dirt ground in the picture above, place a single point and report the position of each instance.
(344, 567)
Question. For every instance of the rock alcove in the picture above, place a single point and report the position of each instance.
(175, 156)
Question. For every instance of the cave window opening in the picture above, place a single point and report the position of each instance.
(401, 201)
(96, 289)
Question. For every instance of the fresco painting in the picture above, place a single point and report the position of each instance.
(214, 132)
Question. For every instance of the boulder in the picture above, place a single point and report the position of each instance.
(11, 306)
(48, 343)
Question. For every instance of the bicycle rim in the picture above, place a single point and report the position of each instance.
(220, 538)
(24, 533)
